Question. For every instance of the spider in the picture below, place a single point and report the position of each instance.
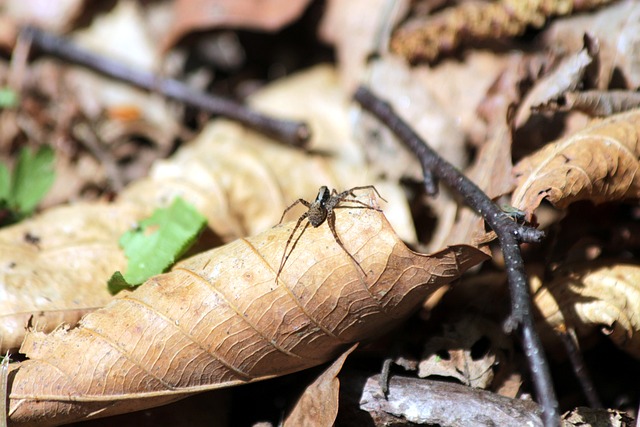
(320, 210)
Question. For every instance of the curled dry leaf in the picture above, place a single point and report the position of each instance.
(592, 295)
(241, 181)
(220, 319)
(599, 163)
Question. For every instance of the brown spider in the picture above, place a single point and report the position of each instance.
(320, 210)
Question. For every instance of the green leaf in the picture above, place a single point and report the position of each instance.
(117, 282)
(22, 190)
(33, 176)
(5, 184)
(8, 98)
(157, 243)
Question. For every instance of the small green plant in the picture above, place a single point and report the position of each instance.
(157, 243)
(8, 98)
(22, 189)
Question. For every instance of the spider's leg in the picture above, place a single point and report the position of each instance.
(303, 201)
(350, 191)
(331, 219)
(363, 205)
(285, 256)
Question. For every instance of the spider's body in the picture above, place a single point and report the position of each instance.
(321, 210)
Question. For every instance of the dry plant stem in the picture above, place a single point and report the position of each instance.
(510, 235)
(291, 132)
(569, 340)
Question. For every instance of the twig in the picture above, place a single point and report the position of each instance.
(292, 132)
(570, 342)
(510, 235)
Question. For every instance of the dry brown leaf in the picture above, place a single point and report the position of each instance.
(318, 405)
(599, 163)
(269, 15)
(591, 295)
(220, 319)
(467, 350)
(239, 180)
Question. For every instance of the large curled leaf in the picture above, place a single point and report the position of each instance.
(599, 163)
(220, 319)
(240, 180)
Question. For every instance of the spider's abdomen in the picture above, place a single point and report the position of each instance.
(317, 215)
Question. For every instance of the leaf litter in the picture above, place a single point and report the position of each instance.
(585, 279)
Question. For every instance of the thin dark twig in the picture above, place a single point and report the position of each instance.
(510, 235)
(292, 132)
(569, 340)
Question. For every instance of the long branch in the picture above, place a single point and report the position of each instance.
(292, 132)
(510, 235)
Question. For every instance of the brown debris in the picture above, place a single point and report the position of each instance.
(424, 39)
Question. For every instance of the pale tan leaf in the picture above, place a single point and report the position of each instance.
(357, 29)
(599, 163)
(220, 319)
(318, 405)
(53, 266)
(55, 17)
(597, 294)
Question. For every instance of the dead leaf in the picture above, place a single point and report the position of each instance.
(240, 180)
(57, 18)
(358, 29)
(566, 76)
(617, 28)
(491, 169)
(591, 295)
(582, 416)
(467, 350)
(318, 405)
(201, 15)
(595, 102)
(220, 319)
(599, 163)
